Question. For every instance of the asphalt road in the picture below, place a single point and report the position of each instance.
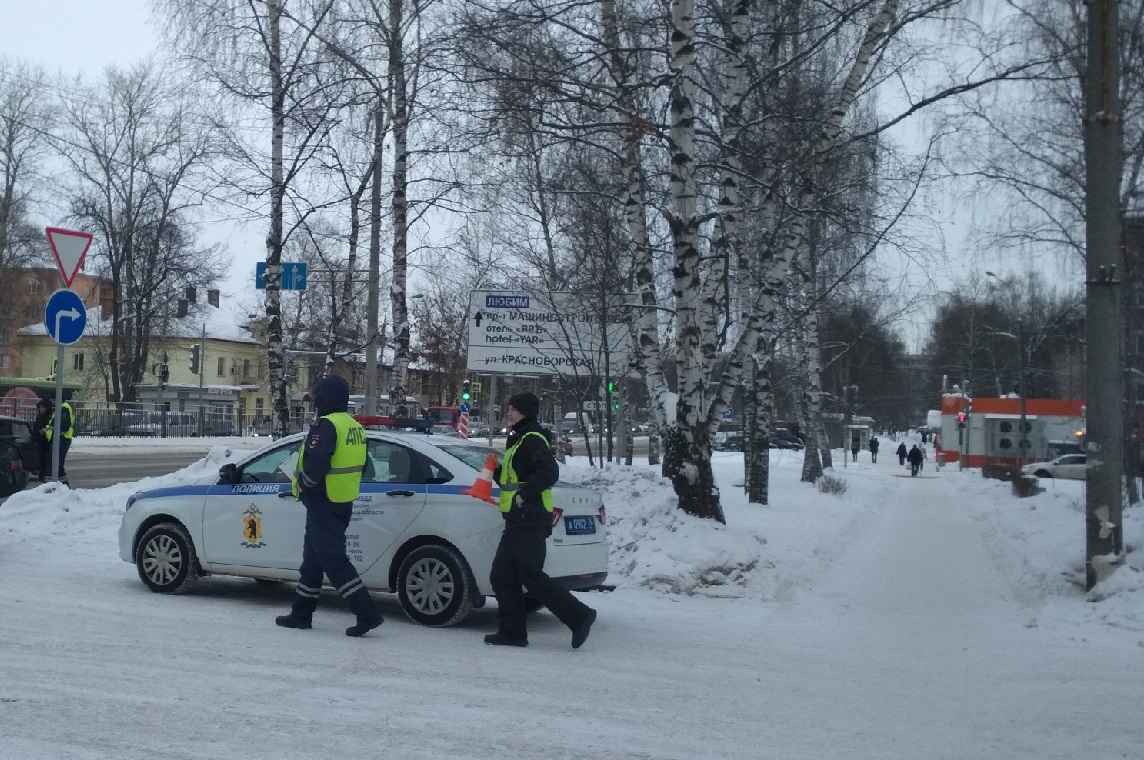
(98, 470)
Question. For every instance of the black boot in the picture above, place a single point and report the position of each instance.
(295, 620)
(500, 640)
(580, 635)
(365, 623)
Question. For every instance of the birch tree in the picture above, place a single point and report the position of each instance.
(243, 47)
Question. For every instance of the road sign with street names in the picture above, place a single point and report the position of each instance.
(526, 333)
(293, 275)
(69, 247)
(65, 316)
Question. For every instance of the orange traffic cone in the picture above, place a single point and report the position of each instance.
(483, 486)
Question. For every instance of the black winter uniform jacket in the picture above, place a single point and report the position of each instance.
(537, 471)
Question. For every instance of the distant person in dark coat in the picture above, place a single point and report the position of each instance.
(902, 453)
(855, 447)
(43, 417)
(915, 456)
(874, 449)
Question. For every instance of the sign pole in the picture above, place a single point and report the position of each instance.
(56, 415)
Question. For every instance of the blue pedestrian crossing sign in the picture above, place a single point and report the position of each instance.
(293, 275)
(65, 317)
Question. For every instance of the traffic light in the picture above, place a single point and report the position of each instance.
(961, 419)
(465, 394)
(195, 358)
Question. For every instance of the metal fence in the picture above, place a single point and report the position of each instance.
(125, 420)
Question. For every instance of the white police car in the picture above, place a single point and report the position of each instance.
(413, 531)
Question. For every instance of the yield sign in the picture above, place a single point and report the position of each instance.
(69, 248)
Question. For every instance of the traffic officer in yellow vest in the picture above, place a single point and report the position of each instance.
(526, 477)
(327, 481)
(67, 432)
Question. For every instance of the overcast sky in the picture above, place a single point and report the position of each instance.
(75, 37)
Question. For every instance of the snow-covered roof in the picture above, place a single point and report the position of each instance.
(221, 324)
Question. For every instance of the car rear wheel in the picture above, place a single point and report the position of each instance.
(434, 586)
(1043, 474)
(166, 559)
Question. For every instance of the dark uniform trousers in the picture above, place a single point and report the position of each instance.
(519, 561)
(324, 551)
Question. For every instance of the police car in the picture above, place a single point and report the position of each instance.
(415, 531)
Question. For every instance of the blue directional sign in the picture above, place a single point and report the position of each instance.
(465, 407)
(293, 275)
(65, 317)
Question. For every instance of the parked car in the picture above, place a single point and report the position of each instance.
(176, 425)
(17, 433)
(415, 532)
(13, 477)
(105, 423)
(1069, 466)
(732, 440)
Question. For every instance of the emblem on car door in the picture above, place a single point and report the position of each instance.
(252, 528)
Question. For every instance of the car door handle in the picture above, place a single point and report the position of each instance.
(399, 492)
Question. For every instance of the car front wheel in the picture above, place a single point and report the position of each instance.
(434, 586)
(1043, 474)
(166, 559)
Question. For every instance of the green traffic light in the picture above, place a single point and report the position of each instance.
(464, 396)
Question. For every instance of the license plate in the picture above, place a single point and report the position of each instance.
(579, 526)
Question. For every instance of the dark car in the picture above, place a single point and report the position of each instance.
(19, 453)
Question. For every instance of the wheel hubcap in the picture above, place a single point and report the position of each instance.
(430, 586)
(162, 560)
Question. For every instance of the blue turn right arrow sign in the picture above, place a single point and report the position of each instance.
(65, 316)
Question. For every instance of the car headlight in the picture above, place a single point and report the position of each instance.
(131, 500)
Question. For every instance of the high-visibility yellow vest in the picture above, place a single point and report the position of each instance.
(343, 481)
(510, 482)
(69, 431)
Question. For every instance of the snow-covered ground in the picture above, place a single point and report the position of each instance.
(936, 617)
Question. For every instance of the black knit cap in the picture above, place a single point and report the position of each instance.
(526, 403)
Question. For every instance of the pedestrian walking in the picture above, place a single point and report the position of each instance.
(526, 476)
(855, 446)
(874, 448)
(915, 456)
(902, 453)
(327, 480)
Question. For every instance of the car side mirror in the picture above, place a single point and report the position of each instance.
(228, 473)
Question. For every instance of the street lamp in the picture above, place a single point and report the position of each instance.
(1023, 424)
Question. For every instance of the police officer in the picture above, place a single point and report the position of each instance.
(327, 481)
(67, 432)
(526, 477)
(39, 428)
